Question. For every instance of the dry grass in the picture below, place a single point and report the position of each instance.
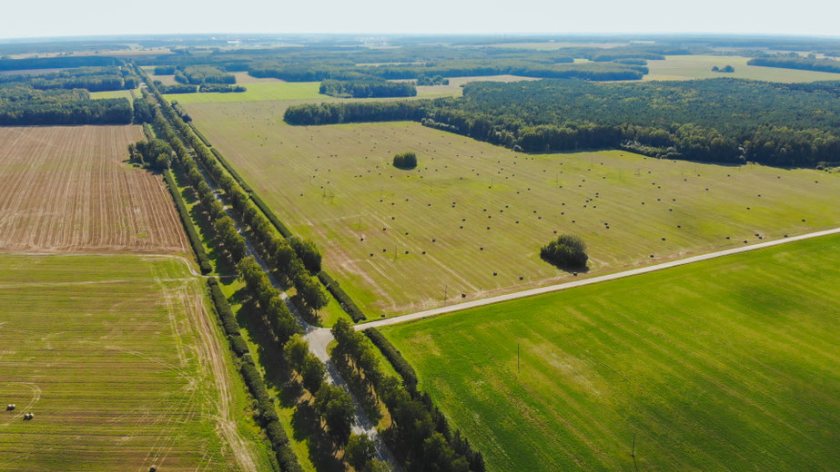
(68, 189)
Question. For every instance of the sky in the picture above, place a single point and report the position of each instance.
(52, 18)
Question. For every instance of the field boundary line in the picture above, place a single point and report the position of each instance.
(594, 280)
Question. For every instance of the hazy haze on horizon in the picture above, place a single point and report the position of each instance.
(41, 18)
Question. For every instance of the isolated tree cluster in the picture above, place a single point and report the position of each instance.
(567, 252)
(405, 160)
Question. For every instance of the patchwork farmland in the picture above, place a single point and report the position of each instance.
(122, 365)
(69, 189)
(724, 364)
(469, 222)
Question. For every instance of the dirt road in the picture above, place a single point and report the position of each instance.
(579, 283)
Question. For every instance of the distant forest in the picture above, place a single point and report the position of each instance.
(720, 120)
(63, 97)
(26, 106)
(796, 61)
(414, 61)
(93, 79)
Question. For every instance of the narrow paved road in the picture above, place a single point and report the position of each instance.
(594, 280)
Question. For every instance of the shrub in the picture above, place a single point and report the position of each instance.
(405, 160)
(567, 252)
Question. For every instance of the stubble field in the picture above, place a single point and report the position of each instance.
(469, 222)
(121, 364)
(68, 189)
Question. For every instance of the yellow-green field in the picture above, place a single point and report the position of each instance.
(728, 364)
(700, 67)
(278, 90)
(116, 94)
(122, 366)
(469, 222)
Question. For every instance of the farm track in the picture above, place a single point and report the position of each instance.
(580, 283)
(67, 189)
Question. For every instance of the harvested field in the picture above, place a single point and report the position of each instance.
(468, 223)
(122, 366)
(67, 189)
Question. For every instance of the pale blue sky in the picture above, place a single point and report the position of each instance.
(36, 18)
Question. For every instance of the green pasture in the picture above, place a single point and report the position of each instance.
(469, 222)
(728, 364)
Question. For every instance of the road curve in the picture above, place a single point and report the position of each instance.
(594, 280)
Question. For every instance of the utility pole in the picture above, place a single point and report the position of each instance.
(518, 368)
(445, 290)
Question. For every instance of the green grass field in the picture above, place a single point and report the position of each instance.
(730, 364)
(116, 94)
(700, 67)
(121, 365)
(336, 185)
(277, 90)
(256, 91)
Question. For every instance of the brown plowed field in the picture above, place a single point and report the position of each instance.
(68, 189)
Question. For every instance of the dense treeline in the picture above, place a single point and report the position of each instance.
(268, 301)
(436, 80)
(417, 423)
(721, 120)
(796, 61)
(341, 296)
(600, 71)
(394, 356)
(419, 434)
(264, 412)
(204, 88)
(367, 88)
(263, 407)
(198, 75)
(273, 247)
(189, 227)
(332, 113)
(58, 62)
(414, 61)
(93, 79)
(21, 106)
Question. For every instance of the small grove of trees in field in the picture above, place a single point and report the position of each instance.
(367, 88)
(566, 252)
(405, 160)
(155, 154)
(727, 69)
(436, 80)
